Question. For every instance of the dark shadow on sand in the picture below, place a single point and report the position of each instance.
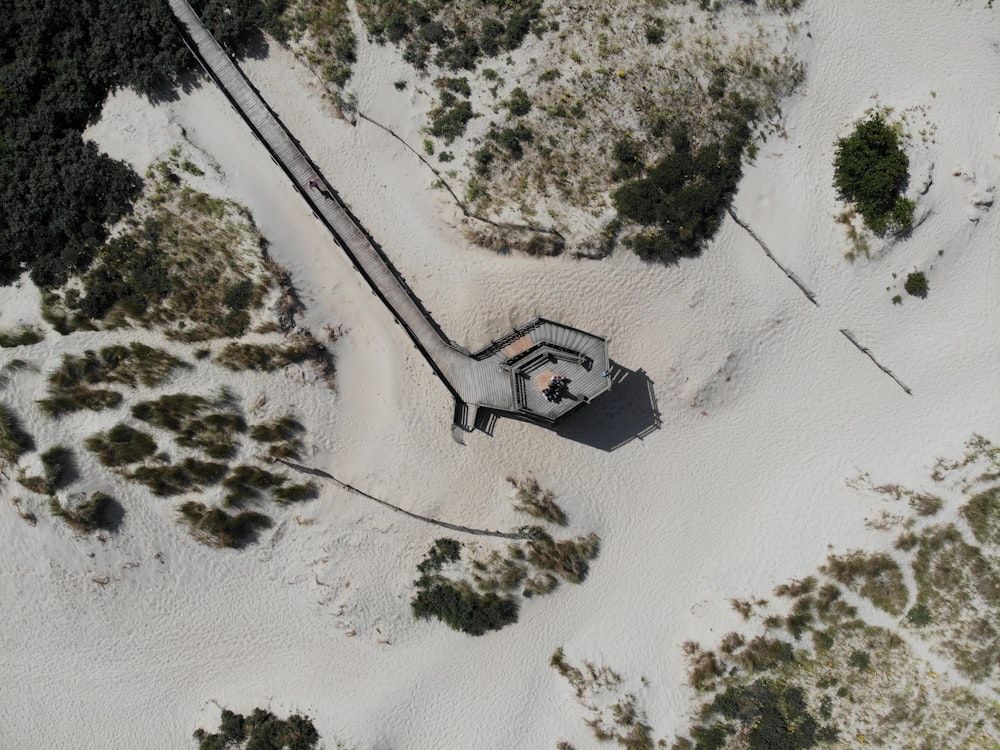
(625, 413)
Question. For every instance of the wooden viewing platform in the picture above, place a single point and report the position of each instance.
(511, 374)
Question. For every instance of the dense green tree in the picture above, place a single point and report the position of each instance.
(58, 61)
(870, 170)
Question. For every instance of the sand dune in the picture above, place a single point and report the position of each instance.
(715, 468)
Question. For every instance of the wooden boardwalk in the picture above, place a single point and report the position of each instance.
(473, 381)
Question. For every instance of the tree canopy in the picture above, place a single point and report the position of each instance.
(871, 170)
(58, 61)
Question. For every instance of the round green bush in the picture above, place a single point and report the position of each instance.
(870, 170)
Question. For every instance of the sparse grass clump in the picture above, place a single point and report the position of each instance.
(99, 511)
(24, 335)
(535, 501)
(174, 479)
(295, 493)
(282, 434)
(248, 482)
(567, 558)
(277, 430)
(57, 462)
(70, 386)
(14, 441)
(77, 398)
(477, 591)
(216, 433)
(982, 513)
(217, 528)
(264, 357)
(193, 266)
(121, 445)
(875, 576)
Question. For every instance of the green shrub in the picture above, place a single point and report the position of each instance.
(449, 123)
(629, 157)
(262, 730)
(860, 660)
(681, 199)
(14, 441)
(518, 104)
(25, 335)
(462, 608)
(916, 284)
(871, 170)
(919, 615)
(99, 511)
(121, 445)
(215, 527)
(443, 551)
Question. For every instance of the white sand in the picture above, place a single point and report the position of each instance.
(766, 410)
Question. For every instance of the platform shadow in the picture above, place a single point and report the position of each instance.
(625, 413)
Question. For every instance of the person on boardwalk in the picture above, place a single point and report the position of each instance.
(314, 183)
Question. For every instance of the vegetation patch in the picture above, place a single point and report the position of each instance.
(217, 528)
(24, 335)
(982, 513)
(267, 357)
(321, 34)
(248, 483)
(57, 466)
(121, 445)
(561, 148)
(533, 500)
(175, 479)
(193, 266)
(281, 436)
(261, 730)
(210, 426)
(88, 514)
(870, 171)
(817, 674)
(61, 60)
(681, 201)
(130, 365)
(475, 590)
(614, 713)
(916, 284)
(14, 441)
(875, 576)
(76, 398)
